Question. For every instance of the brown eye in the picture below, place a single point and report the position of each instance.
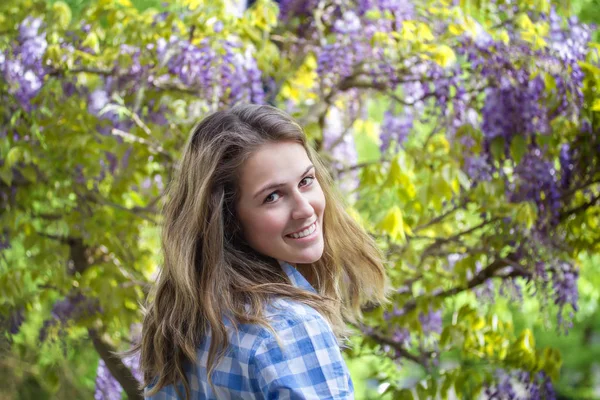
(310, 180)
(270, 199)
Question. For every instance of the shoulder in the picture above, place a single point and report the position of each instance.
(293, 324)
(301, 358)
(285, 316)
(298, 330)
(284, 312)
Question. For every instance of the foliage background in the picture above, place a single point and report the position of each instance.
(79, 212)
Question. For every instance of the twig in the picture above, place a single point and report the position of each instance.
(439, 242)
(485, 274)
(137, 211)
(441, 217)
(156, 148)
(565, 214)
(362, 165)
(380, 338)
(396, 346)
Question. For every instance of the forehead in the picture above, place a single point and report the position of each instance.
(274, 162)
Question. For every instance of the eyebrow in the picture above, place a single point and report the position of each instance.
(273, 186)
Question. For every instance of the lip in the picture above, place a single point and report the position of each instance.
(301, 229)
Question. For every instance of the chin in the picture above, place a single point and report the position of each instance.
(307, 257)
(307, 260)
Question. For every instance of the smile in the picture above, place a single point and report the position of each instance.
(304, 233)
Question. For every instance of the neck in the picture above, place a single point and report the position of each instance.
(305, 270)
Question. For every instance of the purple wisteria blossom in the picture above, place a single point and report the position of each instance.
(352, 51)
(518, 109)
(21, 65)
(566, 166)
(292, 8)
(569, 41)
(228, 74)
(402, 10)
(478, 168)
(395, 129)
(107, 387)
(431, 321)
(401, 336)
(97, 101)
(73, 307)
(341, 146)
(511, 289)
(564, 284)
(537, 181)
(520, 385)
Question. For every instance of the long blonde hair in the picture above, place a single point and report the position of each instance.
(210, 271)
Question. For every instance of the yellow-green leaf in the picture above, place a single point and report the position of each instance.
(62, 13)
(6, 175)
(14, 156)
(444, 55)
(518, 148)
(92, 42)
(393, 224)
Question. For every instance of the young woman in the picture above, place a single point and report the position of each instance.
(262, 267)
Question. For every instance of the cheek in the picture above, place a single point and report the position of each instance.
(320, 201)
(267, 224)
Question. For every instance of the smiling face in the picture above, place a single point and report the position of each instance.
(281, 204)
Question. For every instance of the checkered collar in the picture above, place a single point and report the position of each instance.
(296, 277)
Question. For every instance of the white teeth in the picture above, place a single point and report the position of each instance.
(305, 232)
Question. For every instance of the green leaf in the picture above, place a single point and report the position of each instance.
(594, 70)
(497, 148)
(92, 42)
(526, 214)
(137, 199)
(29, 172)
(6, 175)
(518, 148)
(62, 14)
(422, 392)
(51, 377)
(403, 394)
(445, 337)
(14, 156)
(446, 385)
(393, 224)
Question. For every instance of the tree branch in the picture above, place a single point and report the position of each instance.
(483, 275)
(141, 212)
(566, 214)
(116, 367)
(441, 241)
(380, 338)
(133, 138)
(441, 217)
(396, 346)
(167, 85)
(361, 165)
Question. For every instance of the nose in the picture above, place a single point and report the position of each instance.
(302, 208)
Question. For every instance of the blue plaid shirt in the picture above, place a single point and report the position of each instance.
(309, 365)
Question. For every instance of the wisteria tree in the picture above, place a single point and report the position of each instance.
(465, 137)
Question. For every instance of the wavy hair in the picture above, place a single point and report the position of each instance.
(209, 271)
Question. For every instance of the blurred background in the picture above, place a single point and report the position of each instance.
(464, 136)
